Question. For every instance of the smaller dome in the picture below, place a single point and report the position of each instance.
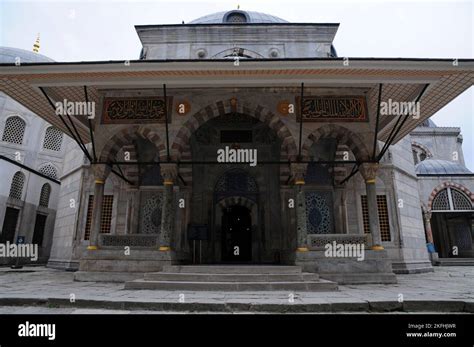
(438, 166)
(8, 55)
(428, 123)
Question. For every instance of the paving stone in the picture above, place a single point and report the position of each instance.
(47, 290)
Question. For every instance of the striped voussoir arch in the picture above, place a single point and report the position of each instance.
(181, 150)
(236, 200)
(125, 137)
(445, 185)
(342, 135)
(423, 148)
(181, 145)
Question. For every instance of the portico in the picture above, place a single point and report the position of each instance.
(200, 160)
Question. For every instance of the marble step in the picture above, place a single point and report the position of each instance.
(313, 286)
(233, 269)
(235, 277)
(454, 262)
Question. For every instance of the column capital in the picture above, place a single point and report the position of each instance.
(169, 172)
(369, 171)
(298, 172)
(101, 172)
(427, 215)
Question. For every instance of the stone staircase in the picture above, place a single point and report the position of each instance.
(454, 262)
(232, 278)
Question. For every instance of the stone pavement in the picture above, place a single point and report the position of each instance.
(43, 290)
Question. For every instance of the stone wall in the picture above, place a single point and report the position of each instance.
(412, 255)
(69, 206)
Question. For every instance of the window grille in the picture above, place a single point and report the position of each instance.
(460, 201)
(16, 188)
(382, 207)
(44, 196)
(236, 18)
(14, 130)
(106, 220)
(49, 170)
(441, 201)
(451, 199)
(53, 139)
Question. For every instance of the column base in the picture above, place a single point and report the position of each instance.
(164, 249)
(92, 248)
(377, 248)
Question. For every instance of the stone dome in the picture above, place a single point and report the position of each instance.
(237, 16)
(438, 166)
(8, 55)
(428, 123)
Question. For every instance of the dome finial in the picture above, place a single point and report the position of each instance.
(238, 7)
(36, 46)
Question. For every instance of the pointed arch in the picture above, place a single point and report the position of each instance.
(126, 136)
(180, 146)
(343, 136)
(445, 185)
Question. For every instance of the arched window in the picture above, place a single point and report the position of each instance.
(460, 200)
(44, 196)
(14, 130)
(16, 188)
(49, 170)
(451, 199)
(53, 139)
(420, 152)
(235, 17)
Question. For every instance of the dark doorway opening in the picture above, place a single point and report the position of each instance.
(9, 225)
(452, 231)
(236, 235)
(38, 233)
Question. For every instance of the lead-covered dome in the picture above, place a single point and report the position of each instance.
(437, 166)
(9, 55)
(237, 16)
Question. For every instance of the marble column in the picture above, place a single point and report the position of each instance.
(169, 172)
(298, 171)
(369, 172)
(340, 209)
(100, 171)
(133, 208)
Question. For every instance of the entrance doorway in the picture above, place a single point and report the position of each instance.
(453, 234)
(9, 225)
(38, 232)
(236, 234)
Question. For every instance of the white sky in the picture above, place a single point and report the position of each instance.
(104, 30)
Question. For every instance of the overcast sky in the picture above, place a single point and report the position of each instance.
(103, 30)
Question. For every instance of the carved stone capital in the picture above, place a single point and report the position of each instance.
(101, 172)
(369, 171)
(298, 173)
(427, 216)
(169, 172)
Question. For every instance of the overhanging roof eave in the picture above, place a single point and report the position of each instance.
(354, 62)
